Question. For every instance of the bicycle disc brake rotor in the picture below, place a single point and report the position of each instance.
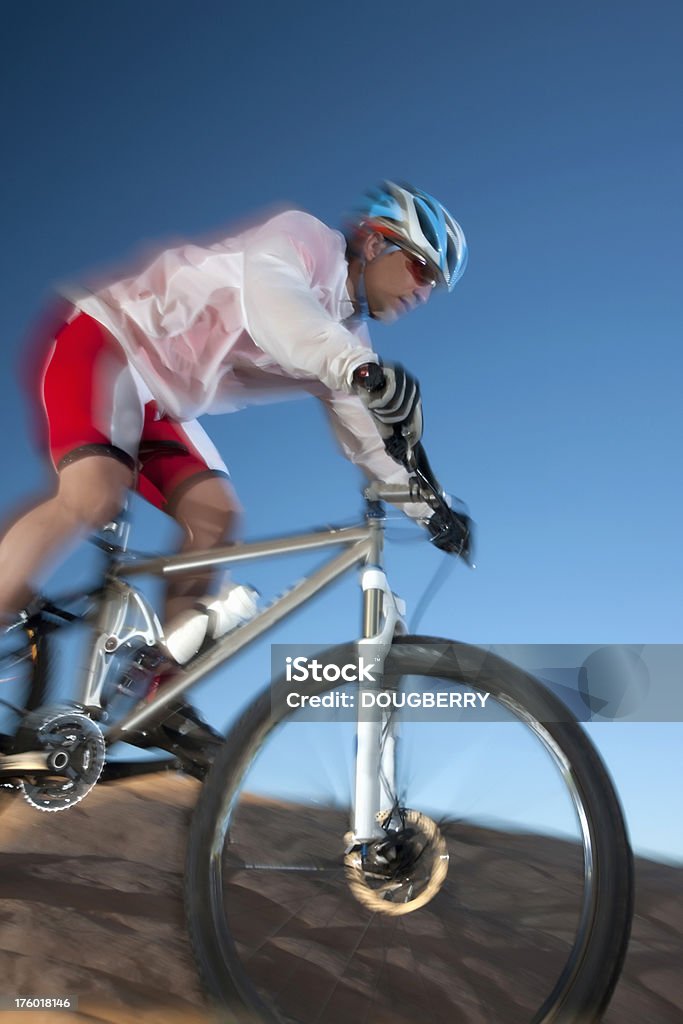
(76, 753)
(401, 871)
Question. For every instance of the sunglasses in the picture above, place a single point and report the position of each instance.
(422, 274)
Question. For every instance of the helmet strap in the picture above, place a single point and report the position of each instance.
(360, 301)
(361, 293)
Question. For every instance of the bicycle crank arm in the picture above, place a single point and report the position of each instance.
(30, 761)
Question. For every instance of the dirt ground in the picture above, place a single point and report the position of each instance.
(91, 907)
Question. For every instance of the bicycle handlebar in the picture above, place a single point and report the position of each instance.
(422, 487)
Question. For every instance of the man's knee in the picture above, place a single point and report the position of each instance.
(208, 512)
(92, 491)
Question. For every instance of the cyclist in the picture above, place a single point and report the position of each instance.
(282, 305)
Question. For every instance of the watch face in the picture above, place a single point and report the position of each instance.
(370, 376)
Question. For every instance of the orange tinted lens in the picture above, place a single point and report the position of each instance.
(420, 272)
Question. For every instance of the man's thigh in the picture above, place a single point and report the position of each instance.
(88, 396)
(181, 470)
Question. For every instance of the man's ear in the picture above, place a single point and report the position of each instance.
(373, 245)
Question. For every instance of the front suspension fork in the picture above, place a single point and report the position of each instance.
(375, 784)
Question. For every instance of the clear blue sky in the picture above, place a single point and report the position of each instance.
(551, 378)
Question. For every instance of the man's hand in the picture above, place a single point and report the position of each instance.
(392, 396)
(452, 532)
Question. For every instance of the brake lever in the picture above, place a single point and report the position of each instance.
(410, 461)
(428, 489)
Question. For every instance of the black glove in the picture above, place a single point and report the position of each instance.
(392, 397)
(452, 532)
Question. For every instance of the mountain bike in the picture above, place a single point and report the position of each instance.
(435, 838)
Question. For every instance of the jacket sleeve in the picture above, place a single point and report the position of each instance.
(361, 444)
(287, 266)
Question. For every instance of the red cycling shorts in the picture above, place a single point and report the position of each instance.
(91, 404)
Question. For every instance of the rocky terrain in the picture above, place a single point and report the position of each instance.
(91, 906)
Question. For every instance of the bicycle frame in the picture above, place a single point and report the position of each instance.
(363, 545)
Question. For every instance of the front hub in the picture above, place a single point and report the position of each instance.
(403, 869)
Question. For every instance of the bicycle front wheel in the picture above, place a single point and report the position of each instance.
(500, 889)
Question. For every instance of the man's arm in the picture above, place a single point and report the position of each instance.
(361, 443)
(357, 432)
(287, 265)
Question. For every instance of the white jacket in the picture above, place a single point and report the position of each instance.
(213, 328)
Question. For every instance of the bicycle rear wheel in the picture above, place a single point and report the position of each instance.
(529, 922)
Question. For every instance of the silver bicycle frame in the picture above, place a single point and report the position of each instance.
(363, 545)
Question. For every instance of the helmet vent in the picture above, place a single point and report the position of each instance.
(451, 255)
(427, 226)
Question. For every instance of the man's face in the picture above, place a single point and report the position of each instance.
(395, 283)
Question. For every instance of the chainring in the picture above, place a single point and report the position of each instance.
(76, 749)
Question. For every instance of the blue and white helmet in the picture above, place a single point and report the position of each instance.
(418, 223)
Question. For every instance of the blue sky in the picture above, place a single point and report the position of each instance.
(550, 379)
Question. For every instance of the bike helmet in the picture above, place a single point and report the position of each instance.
(416, 222)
